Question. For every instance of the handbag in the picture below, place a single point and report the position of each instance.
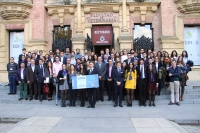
(46, 89)
(186, 77)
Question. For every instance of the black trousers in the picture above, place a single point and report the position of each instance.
(50, 89)
(142, 91)
(40, 90)
(72, 94)
(100, 91)
(111, 92)
(82, 96)
(118, 93)
(92, 96)
(33, 89)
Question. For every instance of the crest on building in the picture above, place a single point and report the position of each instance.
(102, 38)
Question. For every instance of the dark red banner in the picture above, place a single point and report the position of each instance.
(102, 35)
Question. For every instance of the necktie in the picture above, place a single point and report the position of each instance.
(110, 69)
(99, 65)
(90, 71)
(152, 78)
(119, 71)
(130, 76)
(141, 72)
(42, 70)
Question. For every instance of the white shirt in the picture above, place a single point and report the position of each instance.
(124, 57)
(73, 61)
(22, 73)
(33, 67)
(142, 70)
(86, 57)
(61, 59)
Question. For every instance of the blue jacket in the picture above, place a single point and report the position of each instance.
(118, 77)
(175, 73)
(18, 75)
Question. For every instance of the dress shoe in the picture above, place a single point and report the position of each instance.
(26, 98)
(144, 105)
(109, 99)
(120, 105)
(93, 106)
(74, 105)
(177, 103)
(90, 106)
(40, 99)
(69, 104)
(154, 105)
(36, 98)
(170, 103)
(115, 105)
(102, 100)
(149, 104)
(10, 93)
(14, 93)
(20, 99)
(131, 104)
(30, 99)
(140, 105)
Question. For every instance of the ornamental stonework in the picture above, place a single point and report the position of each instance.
(17, 9)
(188, 6)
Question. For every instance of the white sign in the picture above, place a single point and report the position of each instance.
(192, 43)
(81, 82)
(16, 44)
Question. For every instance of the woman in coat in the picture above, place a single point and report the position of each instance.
(130, 84)
(63, 84)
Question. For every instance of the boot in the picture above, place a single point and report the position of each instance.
(150, 103)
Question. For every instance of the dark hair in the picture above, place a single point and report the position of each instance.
(40, 59)
(173, 52)
(141, 59)
(40, 51)
(84, 68)
(73, 52)
(133, 69)
(153, 69)
(180, 61)
(48, 65)
(160, 53)
(22, 62)
(24, 49)
(57, 56)
(91, 62)
(185, 52)
(69, 72)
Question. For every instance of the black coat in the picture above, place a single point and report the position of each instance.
(38, 73)
(138, 72)
(60, 75)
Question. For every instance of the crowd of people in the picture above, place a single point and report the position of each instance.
(124, 75)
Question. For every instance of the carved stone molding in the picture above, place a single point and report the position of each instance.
(188, 6)
(143, 8)
(61, 11)
(17, 9)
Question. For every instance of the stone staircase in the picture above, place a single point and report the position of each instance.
(191, 96)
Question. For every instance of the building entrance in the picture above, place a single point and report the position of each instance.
(97, 49)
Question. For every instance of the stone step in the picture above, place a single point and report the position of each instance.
(135, 102)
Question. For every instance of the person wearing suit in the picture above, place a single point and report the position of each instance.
(142, 82)
(21, 79)
(110, 83)
(31, 80)
(23, 54)
(40, 77)
(101, 67)
(63, 59)
(77, 66)
(129, 59)
(23, 59)
(35, 58)
(118, 77)
(51, 57)
(140, 55)
(92, 91)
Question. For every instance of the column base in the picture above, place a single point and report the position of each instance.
(78, 41)
(125, 41)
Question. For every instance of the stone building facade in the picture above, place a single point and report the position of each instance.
(37, 18)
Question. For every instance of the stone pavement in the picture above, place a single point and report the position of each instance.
(102, 119)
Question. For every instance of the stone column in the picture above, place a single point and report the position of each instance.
(125, 39)
(78, 40)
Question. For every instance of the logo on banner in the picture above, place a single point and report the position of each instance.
(17, 39)
(102, 38)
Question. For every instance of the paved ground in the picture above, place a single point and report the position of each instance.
(102, 119)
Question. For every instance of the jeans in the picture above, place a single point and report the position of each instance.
(12, 80)
(23, 89)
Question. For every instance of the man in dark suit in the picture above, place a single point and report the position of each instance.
(129, 59)
(146, 60)
(142, 82)
(101, 67)
(35, 58)
(118, 77)
(23, 54)
(40, 77)
(31, 80)
(63, 59)
(140, 55)
(110, 83)
(92, 91)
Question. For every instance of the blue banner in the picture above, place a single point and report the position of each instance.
(85, 81)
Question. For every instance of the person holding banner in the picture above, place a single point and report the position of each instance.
(92, 91)
(118, 77)
(63, 84)
(72, 93)
(82, 91)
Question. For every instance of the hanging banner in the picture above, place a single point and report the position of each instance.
(192, 43)
(102, 35)
(16, 44)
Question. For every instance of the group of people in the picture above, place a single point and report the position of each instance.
(134, 75)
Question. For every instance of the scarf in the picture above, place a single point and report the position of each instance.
(64, 72)
(151, 77)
